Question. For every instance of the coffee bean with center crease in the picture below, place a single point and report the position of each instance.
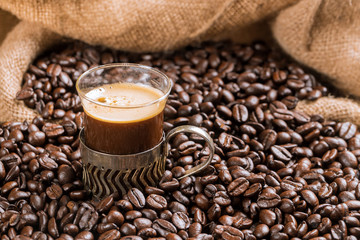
(214, 212)
(136, 197)
(105, 204)
(25, 93)
(281, 153)
(180, 220)
(347, 130)
(268, 138)
(222, 198)
(228, 232)
(111, 234)
(238, 186)
(54, 191)
(268, 200)
(240, 113)
(47, 162)
(163, 227)
(156, 201)
(53, 130)
(53, 228)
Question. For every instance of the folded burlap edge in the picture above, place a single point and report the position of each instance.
(27, 40)
(20, 47)
(331, 108)
(7, 22)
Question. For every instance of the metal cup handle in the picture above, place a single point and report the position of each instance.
(200, 132)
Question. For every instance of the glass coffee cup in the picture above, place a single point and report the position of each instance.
(122, 143)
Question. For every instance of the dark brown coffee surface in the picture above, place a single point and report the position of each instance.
(116, 127)
(123, 138)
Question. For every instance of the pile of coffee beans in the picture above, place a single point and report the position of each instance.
(277, 173)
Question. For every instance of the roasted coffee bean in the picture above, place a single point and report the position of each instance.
(267, 217)
(127, 229)
(141, 223)
(268, 200)
(71, 229)
(47, 163)
(37, 202)
(240, 113)
(111, 234)
(287, 185)
(37, 138)
(116, 217)
(180, 220)
(133, 214)
(261, 230)
(281, 153)
(166, 214)
(195, 229)
(214, 212)
(25, 93)
(222, 198)
(347, 130)
(310, 197)
(228, 232)
(148, 232)
(52, 228)
(136, 197)
(238, 186)
(348, 159)
(7, 187)
(16, 194)
(66, 174)
(53, 130)
(84, 235)
(124, 205)
(54, 191)
(163, 227)
(156, 202)
(268, 138)
(105, 204)
(149, 213)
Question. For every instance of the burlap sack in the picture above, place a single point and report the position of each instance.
(7, 22)
(145, 25)
(130, 25)
(19, 48)
(340, 109)
(325, 35)
(322, 34)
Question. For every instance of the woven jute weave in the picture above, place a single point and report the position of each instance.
(322, 34)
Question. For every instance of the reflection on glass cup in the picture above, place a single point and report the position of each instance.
(122, 143)
(123, 105)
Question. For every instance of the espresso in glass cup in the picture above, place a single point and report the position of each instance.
(123, 105)
(122, 143)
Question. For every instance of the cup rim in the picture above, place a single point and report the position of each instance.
(113, 65)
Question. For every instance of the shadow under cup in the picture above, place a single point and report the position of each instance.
(122, 142)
